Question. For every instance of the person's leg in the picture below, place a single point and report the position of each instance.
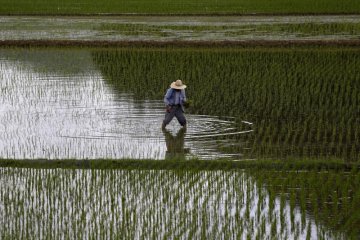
(179, 114)
(168, 117)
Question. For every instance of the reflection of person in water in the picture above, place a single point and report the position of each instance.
(175, 144)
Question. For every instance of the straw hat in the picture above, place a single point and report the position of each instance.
(177, 85)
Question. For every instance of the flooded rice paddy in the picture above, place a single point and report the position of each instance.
(91, 103)
(191, 28)
(55, 104)
(111, 204)
(246, 103)
(303, 101)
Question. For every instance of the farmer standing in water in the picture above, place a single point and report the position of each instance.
(174, 100)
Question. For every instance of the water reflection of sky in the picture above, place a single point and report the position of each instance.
(56, 104)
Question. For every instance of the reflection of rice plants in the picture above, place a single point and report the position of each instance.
(303, 101)
(143, 204)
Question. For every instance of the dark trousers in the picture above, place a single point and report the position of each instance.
(175, 111)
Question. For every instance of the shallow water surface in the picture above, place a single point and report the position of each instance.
(56, 104)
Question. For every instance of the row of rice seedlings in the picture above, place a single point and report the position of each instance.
(300, 29)
(330, 197)
(183, 7)
(58, 203)
(303, 101)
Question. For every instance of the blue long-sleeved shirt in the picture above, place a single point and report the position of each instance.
(173, 97)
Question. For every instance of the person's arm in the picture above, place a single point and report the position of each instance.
(167, 97)
(184, 95)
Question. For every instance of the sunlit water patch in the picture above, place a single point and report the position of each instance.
(112, 204)
(56, 104)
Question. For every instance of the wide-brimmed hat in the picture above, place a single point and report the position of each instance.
(178, 85)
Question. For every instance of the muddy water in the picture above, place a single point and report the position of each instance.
(55, 104)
